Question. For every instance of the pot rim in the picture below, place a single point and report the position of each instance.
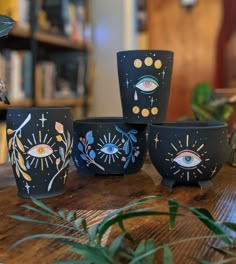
(100, 120)
(145, 50)
(190, 124)
(34, 108)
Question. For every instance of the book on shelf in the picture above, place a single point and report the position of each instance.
(64, 76)
(3, 143)
(71, 70)
(63, 17)
(16, 71)
(19, 10)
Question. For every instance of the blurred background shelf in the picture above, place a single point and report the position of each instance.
(59, 41)
(46, 55)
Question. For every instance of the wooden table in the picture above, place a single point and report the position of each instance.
(99, 194)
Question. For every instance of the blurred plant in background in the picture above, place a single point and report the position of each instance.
(6, 24)
(208, 104)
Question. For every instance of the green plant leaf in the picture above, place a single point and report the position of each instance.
(42, 205)
(93, 254)
(201, 94)
(52, 236)
(144, 252)
(167, 255)
(92, 232)
(71, 216)
(125, 232)
(201, 261)
(103, 227)
(230, 225)
(43, 213)
(28, 219)
(173, 209)
(130, 205)
(80, 261)
(78, 222)
(35, 221)
(205, 217)
(62, 214)
(201, 113)
(115, 245)
(6, 24)
(224, 251)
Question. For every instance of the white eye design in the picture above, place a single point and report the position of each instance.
(40, 151)
(187, 159)
(147, 84)
(109, 149)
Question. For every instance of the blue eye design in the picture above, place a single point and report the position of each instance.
(109, 149)
(40, 151)
(188, 159)
(147, 84)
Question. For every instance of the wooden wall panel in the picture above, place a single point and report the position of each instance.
(192, 35)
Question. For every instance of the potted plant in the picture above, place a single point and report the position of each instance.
(87, 241)
(6, 24)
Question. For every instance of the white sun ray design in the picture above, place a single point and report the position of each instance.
(196, 148)
(40, 151)
(109, 148)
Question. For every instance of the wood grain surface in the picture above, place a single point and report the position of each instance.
(192, 35)
(96, 196)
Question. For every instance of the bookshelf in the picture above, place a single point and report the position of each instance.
(38, 45)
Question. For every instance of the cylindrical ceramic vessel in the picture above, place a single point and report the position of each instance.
(144, 79)
(188, 152)
(108, 146)
(40, 143)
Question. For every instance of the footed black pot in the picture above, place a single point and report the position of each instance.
(40, 144)
(108, 146)
(188, 152)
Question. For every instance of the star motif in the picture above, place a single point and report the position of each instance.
(127, 83)
(156, 139)
(163, 73)
(27, 186)
(42, 119)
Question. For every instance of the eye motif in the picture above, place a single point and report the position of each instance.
(147, 84)
(109, 149)
(40, 151)
(187, 159)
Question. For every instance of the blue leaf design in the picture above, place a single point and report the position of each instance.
(68, 138)
(133, 159)
(133, 131)
(133, 138)
(62, 153)
(27, 165)
(126, 164)
(89, 137)
(92, 154)
(119, 130)
(80, 147)
(126, 147)
(83, 156)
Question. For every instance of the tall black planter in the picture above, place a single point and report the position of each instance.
(108, 146)
(144, 79)
(40, 145)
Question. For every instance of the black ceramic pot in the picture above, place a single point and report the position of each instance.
(144, 79)
(108, 146)
(188, 152)
(40, 145)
